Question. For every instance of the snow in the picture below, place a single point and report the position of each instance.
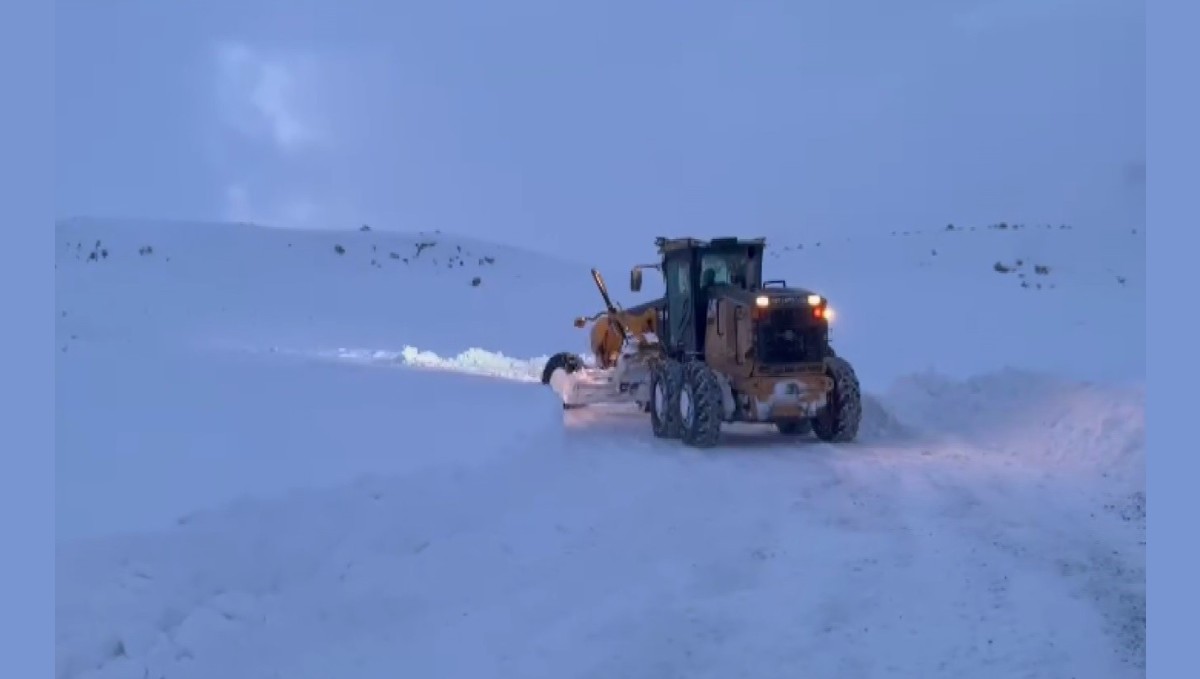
(1084, 317)
(275, 460)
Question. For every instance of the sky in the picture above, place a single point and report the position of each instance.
(592, 127)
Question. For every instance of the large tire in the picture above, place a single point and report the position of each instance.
(701, 406)
(666, 380)
(799, 427)
(565, 360)
(838, 421)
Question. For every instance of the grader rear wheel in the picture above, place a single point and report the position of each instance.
(666, 380)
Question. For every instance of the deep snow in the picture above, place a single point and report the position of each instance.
(278, 460)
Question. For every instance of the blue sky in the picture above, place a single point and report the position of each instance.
(563, 125)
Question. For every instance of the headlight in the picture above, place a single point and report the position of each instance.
(814, 300)
(762, 301)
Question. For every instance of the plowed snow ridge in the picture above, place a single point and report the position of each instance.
(473, 361)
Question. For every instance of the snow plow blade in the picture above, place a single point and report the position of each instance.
(593, 386)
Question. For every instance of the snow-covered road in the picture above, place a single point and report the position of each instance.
(577, 545)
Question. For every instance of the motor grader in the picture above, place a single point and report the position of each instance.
(721, 345)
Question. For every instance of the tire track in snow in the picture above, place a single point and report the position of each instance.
(950, 522)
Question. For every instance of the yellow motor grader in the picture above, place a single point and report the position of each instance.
(721, 345)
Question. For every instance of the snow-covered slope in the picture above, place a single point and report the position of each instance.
(959, 300)
(278, 459)
(253, 286)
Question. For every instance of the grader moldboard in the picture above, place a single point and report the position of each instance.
(721, 345)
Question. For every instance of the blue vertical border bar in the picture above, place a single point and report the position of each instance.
(27, 337)
(1173, 285)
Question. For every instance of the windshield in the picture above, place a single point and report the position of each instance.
(729, 267)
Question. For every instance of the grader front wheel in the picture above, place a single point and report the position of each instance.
(839, 420)
(701, 406)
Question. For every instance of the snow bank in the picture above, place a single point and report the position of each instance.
(473, 361)
(1056, 423)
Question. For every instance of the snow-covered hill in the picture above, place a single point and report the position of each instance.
(259, 474)
(1048, 297)
(257, 286)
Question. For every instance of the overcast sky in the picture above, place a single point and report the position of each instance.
(601, 122)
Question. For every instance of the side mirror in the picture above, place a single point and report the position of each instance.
(580, 322)
(635, 279)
